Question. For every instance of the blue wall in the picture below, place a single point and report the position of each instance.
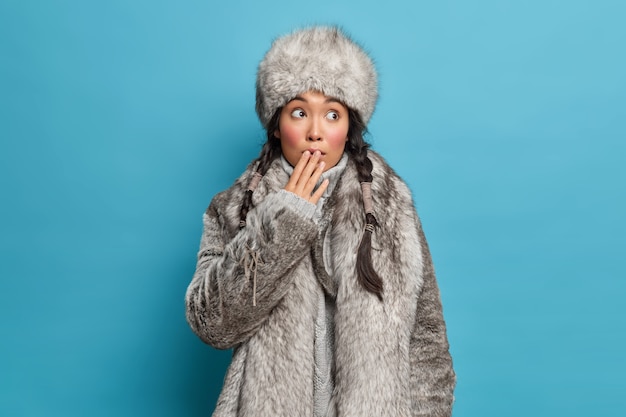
(119, 120)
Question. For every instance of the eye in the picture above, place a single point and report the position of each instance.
(298, 113)
(332, 115)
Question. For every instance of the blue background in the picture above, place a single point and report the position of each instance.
(119, 121)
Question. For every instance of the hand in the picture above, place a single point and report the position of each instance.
(305, 175)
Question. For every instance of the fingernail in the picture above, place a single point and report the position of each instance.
(306, 153)
(317, 153)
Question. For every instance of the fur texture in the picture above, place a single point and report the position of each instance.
(322, 59)
(391, 357)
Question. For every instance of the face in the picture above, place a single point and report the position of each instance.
(313, 121)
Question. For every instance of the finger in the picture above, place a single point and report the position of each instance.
(313, 179)
(309, 169)
(319, 192)
(297, 171)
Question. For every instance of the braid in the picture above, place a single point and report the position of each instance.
(357, 148)
(269, 152)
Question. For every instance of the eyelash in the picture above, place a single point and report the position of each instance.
(299, 113)
(333, 112)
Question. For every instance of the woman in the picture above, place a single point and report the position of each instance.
(313, 266)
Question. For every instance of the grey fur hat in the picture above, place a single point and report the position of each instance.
(322, 59)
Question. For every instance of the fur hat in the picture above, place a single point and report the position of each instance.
(322, 59)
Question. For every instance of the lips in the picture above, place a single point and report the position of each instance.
(313, 151)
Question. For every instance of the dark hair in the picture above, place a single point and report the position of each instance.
(356, 147)
(270, 151)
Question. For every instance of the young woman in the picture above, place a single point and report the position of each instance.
(313, 266)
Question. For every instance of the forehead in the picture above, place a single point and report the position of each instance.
(315, 97)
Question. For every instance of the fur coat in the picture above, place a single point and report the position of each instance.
(256, 290)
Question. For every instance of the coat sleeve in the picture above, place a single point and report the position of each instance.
(239, 280)
(432, 376)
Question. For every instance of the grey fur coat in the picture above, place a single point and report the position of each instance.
(256, 290)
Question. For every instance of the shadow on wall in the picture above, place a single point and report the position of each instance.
(179, 374)
(193, 372)
(202, 377)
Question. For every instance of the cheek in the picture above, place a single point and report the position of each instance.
(290, 143)
(289, 135)
(337, 139)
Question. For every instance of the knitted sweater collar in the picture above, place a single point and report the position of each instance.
(332, 174)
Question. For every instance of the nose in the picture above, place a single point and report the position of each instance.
(314, 133)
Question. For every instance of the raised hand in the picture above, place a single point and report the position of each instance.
(305, 175)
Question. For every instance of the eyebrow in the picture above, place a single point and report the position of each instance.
(328, 100)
